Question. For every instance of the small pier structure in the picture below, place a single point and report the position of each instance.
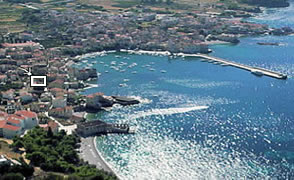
(254, 70)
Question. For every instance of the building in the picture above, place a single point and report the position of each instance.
(9, 131)
(3, 78)
(59, 102)
(31, 118)
(91, 128)
(15, 124)
(9, 94)
(65, 112)
(26, 97)
(53, 125)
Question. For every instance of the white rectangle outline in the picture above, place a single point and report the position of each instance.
(38, 85)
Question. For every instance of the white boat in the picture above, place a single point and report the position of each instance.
(134, 72)
(123, 85)
(256, 72)
(163, 71)
(151, 69)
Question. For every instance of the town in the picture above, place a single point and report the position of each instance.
(53, 39)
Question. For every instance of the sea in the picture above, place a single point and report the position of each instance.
(199, 120)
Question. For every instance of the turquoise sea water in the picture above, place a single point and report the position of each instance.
(199, 120)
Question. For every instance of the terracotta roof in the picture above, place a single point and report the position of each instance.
(10, 127)
(3, 76)
(2, 123)
(15, 116)
(57, 89)
(52, 124)
(19, 44)
(3, 113)
(14, 121)
(59, 81)
(28, 114)
(43, 125)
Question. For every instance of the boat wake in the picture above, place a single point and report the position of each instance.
(167, 111)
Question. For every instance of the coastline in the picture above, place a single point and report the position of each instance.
(89, 152)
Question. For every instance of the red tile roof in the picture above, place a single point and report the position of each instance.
(15, 116)
(14, 121)
(43, 125)
(28, 114)
(10, 127)
(57, 89)
(2, 123)
(52, 124)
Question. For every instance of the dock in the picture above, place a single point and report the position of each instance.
(254, 70)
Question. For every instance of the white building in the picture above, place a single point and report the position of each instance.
(30, 118)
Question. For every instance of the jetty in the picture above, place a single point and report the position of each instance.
(97, 127)
(223, 62)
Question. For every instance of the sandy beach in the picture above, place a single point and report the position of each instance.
(89, 153)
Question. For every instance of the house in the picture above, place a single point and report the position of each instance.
(26, 97)
(57, 84)
(15, 124)
(12, 107)
(31, 118)
(59, 102)
(65, 112)
(39, 107)
(9, 94)
(53, 125)
(9, 131)
(92, 128)
(55, 91)
(98, 100)
(3, 78)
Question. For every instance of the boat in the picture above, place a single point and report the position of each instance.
(134, 72)
(268, 43)
(123, 85)
(163, 71)
(151, 69)
(256, 72)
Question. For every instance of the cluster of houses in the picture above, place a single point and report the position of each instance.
(180, 32)
(15, 124)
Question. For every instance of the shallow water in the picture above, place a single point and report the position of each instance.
(199, 120)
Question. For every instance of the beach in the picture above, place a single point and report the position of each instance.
(89, 152)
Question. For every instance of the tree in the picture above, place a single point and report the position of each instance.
(16, 145)
(36, 158)
(49, 132)
(12, 176)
